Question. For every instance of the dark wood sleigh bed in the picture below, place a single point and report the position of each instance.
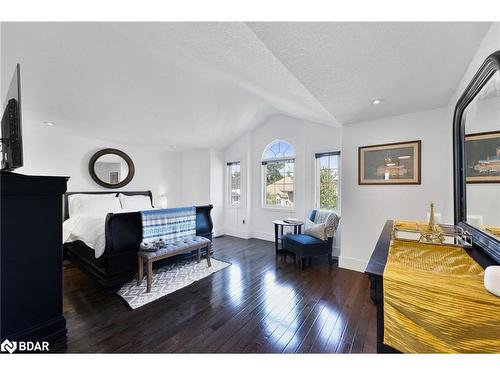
(123, 233)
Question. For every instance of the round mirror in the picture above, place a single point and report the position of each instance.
(111, 168)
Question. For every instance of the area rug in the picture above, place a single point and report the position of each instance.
(167, 280)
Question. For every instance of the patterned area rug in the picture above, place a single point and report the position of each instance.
(167, 280)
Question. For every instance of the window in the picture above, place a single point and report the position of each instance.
(234, 174)
(327, 180)
(278, 164)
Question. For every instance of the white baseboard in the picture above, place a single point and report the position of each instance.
(336, 252)
(219, 232)
(270, 237)
(263, 236)
(236, 233)
(352, 264)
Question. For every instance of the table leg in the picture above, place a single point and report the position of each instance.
(150, 275)
(300, 229)
(276, 237)
(140, 274)
(281, 240)
(295, 229)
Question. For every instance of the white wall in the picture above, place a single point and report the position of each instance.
(365, 208)
(50, 151)
(237, 219)
(187, 178)
(202, 182)
(1, 93)
(195, 180)
(307, 139)
(490, 44)
(217, 189)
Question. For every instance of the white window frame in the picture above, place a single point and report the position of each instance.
(229, 184)
(317, 156)
(264, 162)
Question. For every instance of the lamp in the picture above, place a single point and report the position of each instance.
(163, 202)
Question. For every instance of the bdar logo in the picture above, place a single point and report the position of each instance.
(8, 346)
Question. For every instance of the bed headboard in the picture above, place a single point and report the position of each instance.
(65, 202)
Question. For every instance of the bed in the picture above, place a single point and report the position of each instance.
(111, 258)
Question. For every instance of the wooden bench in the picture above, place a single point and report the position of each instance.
(181, 246)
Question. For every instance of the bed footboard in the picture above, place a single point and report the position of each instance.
(123, 233)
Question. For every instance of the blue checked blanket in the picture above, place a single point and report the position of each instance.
(168, 224)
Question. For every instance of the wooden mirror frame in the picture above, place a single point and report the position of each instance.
(114, 151)
(487, 242)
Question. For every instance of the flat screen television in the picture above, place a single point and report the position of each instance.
(12, 141)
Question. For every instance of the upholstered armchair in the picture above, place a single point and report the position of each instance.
(305, 246)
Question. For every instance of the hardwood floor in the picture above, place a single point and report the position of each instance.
(257, 305)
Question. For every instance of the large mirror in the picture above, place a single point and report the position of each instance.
(111, 168)
(477, 157)
(482, 157)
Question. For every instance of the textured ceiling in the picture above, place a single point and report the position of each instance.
(196, 85)
(413, 66)
(178, 85)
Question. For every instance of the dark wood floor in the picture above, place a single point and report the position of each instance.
(257, 305)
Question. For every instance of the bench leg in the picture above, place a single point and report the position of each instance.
(150, 275)
(140, 274)
(198, 255)
(208, 255)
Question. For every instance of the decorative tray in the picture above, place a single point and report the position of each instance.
(439, 234)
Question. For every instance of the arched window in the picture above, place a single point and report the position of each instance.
(278, 164)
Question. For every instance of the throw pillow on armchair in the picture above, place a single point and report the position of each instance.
(316, 230)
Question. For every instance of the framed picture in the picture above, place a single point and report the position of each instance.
(390, 164)
(482, 157)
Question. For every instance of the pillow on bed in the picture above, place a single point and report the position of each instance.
(135, 202)
(90, 204)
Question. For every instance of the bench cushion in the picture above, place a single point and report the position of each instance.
(184, 244)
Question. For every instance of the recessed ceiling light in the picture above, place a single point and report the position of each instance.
(377, 101)
(49, 123)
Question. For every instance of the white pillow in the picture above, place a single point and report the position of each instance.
(135, 202)
(316, 230)
(90, 204)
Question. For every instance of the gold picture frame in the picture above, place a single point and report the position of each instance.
(390, 164)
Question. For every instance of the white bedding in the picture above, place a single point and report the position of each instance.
(88, 228)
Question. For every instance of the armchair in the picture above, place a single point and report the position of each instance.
(305, 246)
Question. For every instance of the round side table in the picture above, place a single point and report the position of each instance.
(278, 232)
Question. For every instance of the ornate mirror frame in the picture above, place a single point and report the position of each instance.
(114, 151)
(487, 242)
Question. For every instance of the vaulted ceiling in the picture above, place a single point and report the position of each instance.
(194, 85)
(412, 66)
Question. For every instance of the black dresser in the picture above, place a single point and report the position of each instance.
(31, 257)
(375, 272)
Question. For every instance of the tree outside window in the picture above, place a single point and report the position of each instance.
(234, 172)
(278, 164)
(327, 180)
